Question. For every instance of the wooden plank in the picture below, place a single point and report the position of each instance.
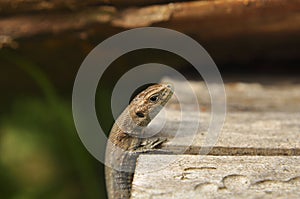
(245, 133)
(274, 95)
(134, 3)
(229, 29)
(19, 6)
(262, 119)
(22, 26)
(207, 18)
(191, 176)
(203, 19)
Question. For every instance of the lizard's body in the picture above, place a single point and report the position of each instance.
(125, 141)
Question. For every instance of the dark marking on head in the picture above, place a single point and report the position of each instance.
(140, 114)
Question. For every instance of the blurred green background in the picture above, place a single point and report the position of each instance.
(41, 155)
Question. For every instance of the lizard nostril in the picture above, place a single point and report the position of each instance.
(140, 114)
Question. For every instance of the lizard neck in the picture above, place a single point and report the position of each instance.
(126, 124)
(125, 133)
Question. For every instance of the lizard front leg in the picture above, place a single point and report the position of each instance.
(149, 145)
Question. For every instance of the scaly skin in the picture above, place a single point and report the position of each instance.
(125, 144)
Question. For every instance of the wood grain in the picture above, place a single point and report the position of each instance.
(191, 176)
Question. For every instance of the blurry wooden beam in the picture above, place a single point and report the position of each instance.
(21, 26)
(205, 19)
(231, 30)
(218, 19)
(19, 6)
(127, 3)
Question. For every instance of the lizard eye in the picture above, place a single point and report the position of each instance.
(140, 114)
(154, 98)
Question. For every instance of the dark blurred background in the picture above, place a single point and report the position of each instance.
(43, 43)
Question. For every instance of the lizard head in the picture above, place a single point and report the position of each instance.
(147, 104)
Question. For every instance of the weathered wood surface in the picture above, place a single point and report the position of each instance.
(271, 95)
(191, 176)
(260, 120)
(244, 133)
(256, 155)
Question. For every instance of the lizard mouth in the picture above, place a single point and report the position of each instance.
(169, 86)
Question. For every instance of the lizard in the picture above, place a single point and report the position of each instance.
(126, 141)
